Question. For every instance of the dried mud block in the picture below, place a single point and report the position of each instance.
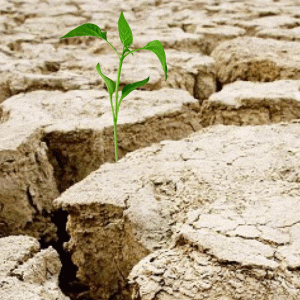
(253, 103)
(27, 186)
(256, 59)
(26, 272)
(264, 22)
(197, 74)
(292, 34)
(172, 38)
(217, 34)
(27, 183)
(212, 194)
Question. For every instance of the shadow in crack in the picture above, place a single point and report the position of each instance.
(68, 282)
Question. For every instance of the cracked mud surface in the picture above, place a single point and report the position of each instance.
(26, 272)
(203, 203)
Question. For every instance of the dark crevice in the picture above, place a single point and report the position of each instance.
(30, 199)
(195, 89)
(43, 87)
(68, 283)
(5, 94)
(219, 85)
(51, 66)
(56, 160)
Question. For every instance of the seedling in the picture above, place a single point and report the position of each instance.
(126, 38)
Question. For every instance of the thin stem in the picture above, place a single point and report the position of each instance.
(123, 56)
(112, 107)
(113, 48)
(117, 109)
(116, 141)
(118, 78)
(116, 113)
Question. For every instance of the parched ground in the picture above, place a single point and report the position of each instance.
(204, 200)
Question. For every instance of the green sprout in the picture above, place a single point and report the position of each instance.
(126, 38)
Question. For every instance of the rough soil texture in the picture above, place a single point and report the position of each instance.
(27, 272)
(27, 187)
(273, 60)
(203, 203)
(227, 194)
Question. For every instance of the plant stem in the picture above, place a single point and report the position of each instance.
(116, 111)
(112, 107)
(113, 48)
(116, 142)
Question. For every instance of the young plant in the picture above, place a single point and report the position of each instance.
(126, 38)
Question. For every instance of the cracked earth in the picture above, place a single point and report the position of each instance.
(204, 200)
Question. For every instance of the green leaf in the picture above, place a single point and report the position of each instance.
(127, 50)
(131, 87)
(125, 32)
(87, 29)
(157, 48)
(111, 86)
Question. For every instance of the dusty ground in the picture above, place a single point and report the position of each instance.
(204, 201)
